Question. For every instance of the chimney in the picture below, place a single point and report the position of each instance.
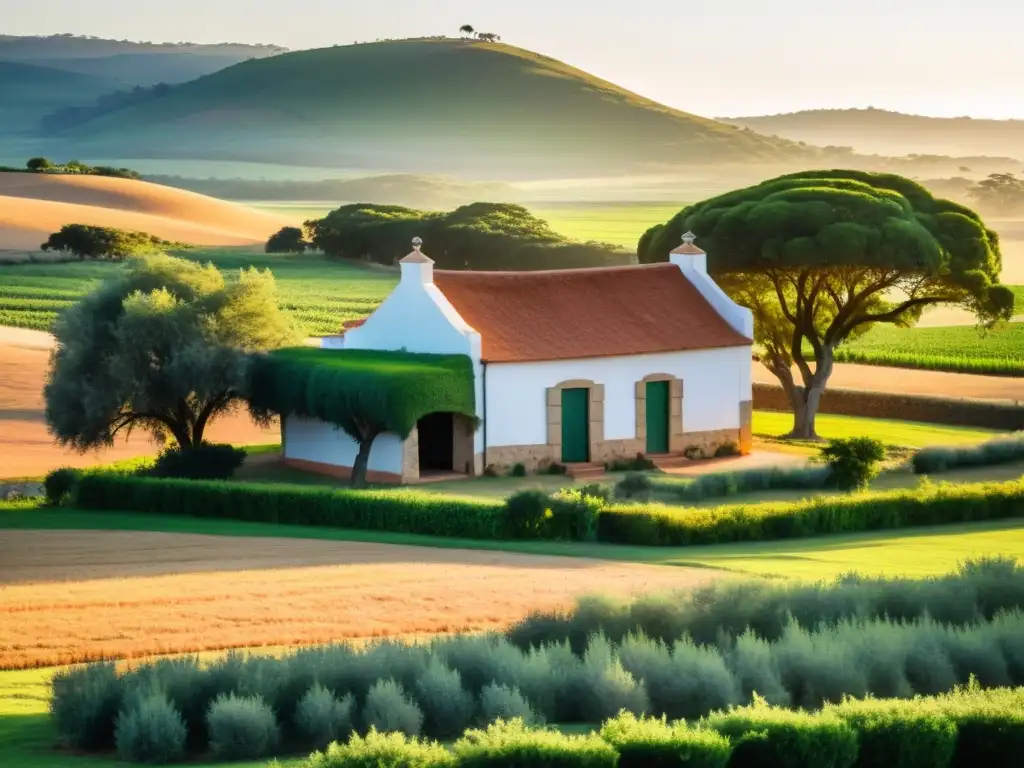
(689, 256)
(417, 267)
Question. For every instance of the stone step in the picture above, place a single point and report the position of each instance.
(584, 471)
(669, 460)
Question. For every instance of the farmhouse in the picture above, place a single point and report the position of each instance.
(575, 367)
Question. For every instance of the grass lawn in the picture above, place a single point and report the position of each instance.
(904, 434)
(319, 293)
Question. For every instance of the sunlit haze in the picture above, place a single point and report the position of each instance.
(933, 57)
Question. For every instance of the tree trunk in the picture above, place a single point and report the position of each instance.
(358, 479)
(806, 400)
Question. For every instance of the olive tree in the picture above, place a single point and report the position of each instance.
(821, 256)
(161, 347)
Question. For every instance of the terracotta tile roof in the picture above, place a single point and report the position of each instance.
(578, 313)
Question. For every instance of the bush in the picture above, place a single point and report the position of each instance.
(990, 725)
(320, 718)
(606, 687)
(728, 449)
(596, 491)
(526, 513)
(635, 485)
(853, 461)
(649, 743)
(513, 745)
(389, 709)
(897, 734)
(152, 731)
(210, 461)
(241, 728)
(379, 750)
(518, 470)
(658, 525)
(398, 511)
(84, 706)
(59, 484)
(639, 463)
(501, 702)
(447, 707)
(573, 515)
(767, 736)
(937, 459)
(694, 452)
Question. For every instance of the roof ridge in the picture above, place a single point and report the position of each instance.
(568, 271)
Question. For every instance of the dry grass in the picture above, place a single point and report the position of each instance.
(71, 596)
(34, 205)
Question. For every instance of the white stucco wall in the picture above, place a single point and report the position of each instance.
(314, 440)
(715, 381)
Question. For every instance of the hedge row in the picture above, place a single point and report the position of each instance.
(308, 698)
(654, 525)
(944, 458)
(974, 593)
(395, 511)
(987, 414)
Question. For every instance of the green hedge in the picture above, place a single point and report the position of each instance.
(657, 525)
(944, 458)
(396, 511)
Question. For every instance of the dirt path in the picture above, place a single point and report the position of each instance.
(911, 382)
(28, 450)
(79, 595)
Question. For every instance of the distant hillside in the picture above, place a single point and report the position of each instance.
(877, 131)
(422, 106)
(28, 91)
(127, 63)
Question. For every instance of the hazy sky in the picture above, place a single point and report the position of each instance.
(936, 57)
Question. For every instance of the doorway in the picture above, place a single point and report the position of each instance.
(436, 442)
(657, 414)
(575, 425)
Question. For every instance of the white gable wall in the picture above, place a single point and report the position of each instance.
(317, 441)
(715, 381)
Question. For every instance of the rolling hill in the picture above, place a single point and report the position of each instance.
(34, 205)
(877, 131)
(28, 91)
(126, 63)
(421, 106)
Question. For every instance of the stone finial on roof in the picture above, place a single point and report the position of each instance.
(688, 246)
(416, 256)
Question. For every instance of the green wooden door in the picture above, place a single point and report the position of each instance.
(657, 417)
(575, 425)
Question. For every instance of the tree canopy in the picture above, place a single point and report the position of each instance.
(476, 236)
(287, 240)
(161, 347)
(88, 242)
(821, 256)
(1001, 194)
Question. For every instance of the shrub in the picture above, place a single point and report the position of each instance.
(526, 513)
(58, 485)
(210, 461)
(398, 511)
(554, 468)
(518, 470)
(596, 491)
(241, 728)
(990, 725)
(658, 525)
(650, 743)
(728, 449)
(854, 461)
(720, 484)
(512, 744)
(638, 463)
(389, 709)
(693, 452)
(447, 707)
(501, 702)
(573, 515)
(84, 706)
(938, 458)
(151, 731)
(897, 734)
(320, 718)
(606, 688)
(635, 485)
(768, 736)
(380, 750)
